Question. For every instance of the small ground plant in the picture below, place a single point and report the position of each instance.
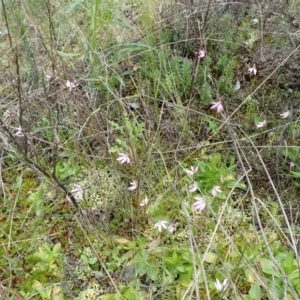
(149, 150)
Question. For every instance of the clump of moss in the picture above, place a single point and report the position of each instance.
(92, 292)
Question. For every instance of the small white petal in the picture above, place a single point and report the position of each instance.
(133, 185)
(285, 114)
(217, 106)
(237, 86)
(71, 84)
(193, 187)
(134, 105)
(254, 22)
(253, 70)
(123, 158)
(221, 286)
(215, 190)
(218, 285)
(171, 227)
(200, 203)
(200, 54)
(144, 202)
(160, 225)
(77, 191)
(19, 131)
(192, 171)
(48, 77)
(261, 124)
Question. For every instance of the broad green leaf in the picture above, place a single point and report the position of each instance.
(152, 272)
(181, 269)
(288, 264)
(210, 257)
(268, 267)
(56, 248)
(130, 294)
(185, 280)
(295, 174)
(255, 292)
(294, 276)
